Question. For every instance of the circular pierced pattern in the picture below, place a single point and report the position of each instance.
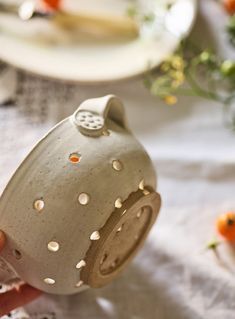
(89, 120)
(107, 262)
(120, 239)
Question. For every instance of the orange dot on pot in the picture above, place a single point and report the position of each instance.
(226, 226)
(74, 158)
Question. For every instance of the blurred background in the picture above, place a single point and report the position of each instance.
(172, 64)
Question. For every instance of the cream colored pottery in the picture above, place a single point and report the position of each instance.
(81, 204)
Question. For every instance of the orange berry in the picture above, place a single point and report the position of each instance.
(52, 4)
(229, 6)
(226, 225)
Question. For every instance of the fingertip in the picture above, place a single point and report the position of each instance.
(2, 239)
(14, 299)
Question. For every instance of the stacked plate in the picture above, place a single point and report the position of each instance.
(42, 48)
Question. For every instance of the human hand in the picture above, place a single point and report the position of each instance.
(16, 297)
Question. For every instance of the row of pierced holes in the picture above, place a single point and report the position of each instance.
(76, 158)
(83, 199)
(54, 246)
(50, 281)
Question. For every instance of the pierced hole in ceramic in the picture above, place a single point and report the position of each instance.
(124, 212)
(95, 235)
(138, 215)
(49, 281)
(81, 264)
(146, 192)
(17, 254)
(79, 284)
(105, 256)
(119, 229)
(83, 198)
(115, 262)
(75, 158)
(141, 185)
(38, 204)
(53, 246)
(117, 165)
(118, 202)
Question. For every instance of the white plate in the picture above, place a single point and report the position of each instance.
(59, 56)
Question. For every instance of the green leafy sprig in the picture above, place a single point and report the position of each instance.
(231, 29)
(191, 71)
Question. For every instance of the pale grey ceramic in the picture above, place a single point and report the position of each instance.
(82, 202)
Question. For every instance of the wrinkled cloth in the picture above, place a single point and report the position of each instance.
(174, 276)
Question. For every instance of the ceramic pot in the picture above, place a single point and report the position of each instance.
(81, 204)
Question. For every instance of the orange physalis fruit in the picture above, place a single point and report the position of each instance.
(226, 225)
(229, 6)
(52, 4)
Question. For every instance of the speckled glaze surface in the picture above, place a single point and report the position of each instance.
(60, 203)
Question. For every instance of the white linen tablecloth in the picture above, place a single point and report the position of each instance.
(174, 276)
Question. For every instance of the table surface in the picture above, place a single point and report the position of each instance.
(174, 276)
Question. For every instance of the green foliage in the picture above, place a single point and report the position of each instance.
(191, 71)
(231, 29)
